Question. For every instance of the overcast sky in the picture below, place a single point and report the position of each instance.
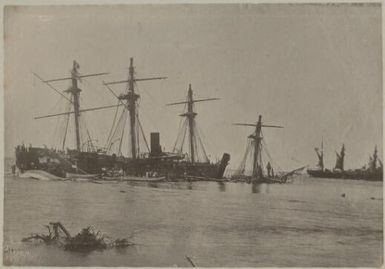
(315, 69)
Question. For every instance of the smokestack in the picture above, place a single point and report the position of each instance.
(223, 164)
(156, 150)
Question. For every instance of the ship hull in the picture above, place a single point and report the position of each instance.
(61, 163)
(259, 180)
(376, 175)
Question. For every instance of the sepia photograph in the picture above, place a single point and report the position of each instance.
(193, 135)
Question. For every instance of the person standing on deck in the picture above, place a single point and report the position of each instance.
(268, 168)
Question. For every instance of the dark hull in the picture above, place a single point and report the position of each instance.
(59, 163)
(376, 175)
(260, 180)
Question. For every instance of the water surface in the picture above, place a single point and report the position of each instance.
(305, 223)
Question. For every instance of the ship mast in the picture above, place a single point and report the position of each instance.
(190, 115)
(75, 93)
(320, 155)
(130, 99)
(257, 163)
(373, 160)
(257, 141)
(340, 159)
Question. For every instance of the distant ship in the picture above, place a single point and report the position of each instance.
(88, 159)
(373, 172)
(254, 154)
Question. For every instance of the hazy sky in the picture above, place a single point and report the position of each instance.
(315, 69)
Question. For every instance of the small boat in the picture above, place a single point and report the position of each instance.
(196, 178)
(40, 175)
(143, 179)
(79, 179)
(101, 181)
(81, 176)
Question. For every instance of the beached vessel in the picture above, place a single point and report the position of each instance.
(372, 172)
(88, 159)
(253, 153)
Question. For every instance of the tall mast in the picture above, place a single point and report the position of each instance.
(257, 147)
(375, 158)
(75, 91)
(131, 98)
(190, 115)
(322, 154)
(342, 156)
(257, 137)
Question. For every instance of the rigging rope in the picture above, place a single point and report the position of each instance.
(113, 124)
(269, 156)
(181, 136)
(137, 138)
(60, 125)
(144, 137)
(241, 168)
(198, 132)
(118, 126)
(66, 129)
(121, 136)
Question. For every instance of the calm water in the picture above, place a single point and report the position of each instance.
(306, 223)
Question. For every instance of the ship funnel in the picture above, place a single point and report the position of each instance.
(223, 164)
(156, 149)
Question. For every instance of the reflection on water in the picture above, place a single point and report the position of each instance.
(222, 186)
(253, 187)
(306, 223)
(259, 188)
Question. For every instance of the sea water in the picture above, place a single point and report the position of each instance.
(309, 222)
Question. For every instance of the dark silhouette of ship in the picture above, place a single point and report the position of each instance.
(254, 152)
(372, 172)
(88, 159)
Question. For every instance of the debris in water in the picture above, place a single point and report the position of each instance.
(86, 240)
(190, 261)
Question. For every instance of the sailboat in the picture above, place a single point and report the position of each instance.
(254, 150)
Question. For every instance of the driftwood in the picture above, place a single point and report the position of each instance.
(190, 261)
(86, 240)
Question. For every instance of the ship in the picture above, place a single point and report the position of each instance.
(253, 153)
(195, 162)
(372, 172)
(141, 159)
